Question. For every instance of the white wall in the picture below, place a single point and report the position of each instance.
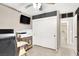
(10, 19)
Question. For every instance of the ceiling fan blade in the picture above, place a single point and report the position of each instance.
(29, 6)
(41, 7)
(51, 3)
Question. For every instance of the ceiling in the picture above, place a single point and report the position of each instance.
(62, 7)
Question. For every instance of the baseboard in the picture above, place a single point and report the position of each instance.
(46, 47)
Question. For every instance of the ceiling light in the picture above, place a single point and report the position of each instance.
(36, 5)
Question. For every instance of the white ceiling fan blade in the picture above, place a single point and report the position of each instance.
(51, 3)
(28, 6)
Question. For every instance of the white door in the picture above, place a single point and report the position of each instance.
(45, 32)
(75, 34)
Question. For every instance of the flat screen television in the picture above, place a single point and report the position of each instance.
(24, 19)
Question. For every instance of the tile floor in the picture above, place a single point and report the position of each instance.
(41, 51)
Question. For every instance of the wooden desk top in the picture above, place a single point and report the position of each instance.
(21, 43)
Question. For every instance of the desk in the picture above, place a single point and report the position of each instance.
(21, 47)
(21, 43)
(28, 40)
(24, 39)
(24, 44)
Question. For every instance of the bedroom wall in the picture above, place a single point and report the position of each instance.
(10, 19)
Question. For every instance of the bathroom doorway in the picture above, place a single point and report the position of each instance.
(64, 33)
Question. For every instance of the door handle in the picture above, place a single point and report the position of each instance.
(75, 36)
(54, 35)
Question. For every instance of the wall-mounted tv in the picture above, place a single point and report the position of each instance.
(24, 19)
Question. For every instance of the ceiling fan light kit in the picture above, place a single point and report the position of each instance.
(37, 5)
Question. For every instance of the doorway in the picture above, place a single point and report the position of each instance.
(78, 34)
(64, 34)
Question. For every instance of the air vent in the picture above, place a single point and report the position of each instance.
(70, 14)
(66, 15)
(63, 15)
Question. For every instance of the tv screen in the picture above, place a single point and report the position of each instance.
(24, 19)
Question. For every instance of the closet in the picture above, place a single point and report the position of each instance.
(46, 28)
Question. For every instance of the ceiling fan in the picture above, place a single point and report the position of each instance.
(38, 6)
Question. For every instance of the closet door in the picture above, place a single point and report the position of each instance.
(45, 32)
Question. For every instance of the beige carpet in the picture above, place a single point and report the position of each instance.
(41, 51)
